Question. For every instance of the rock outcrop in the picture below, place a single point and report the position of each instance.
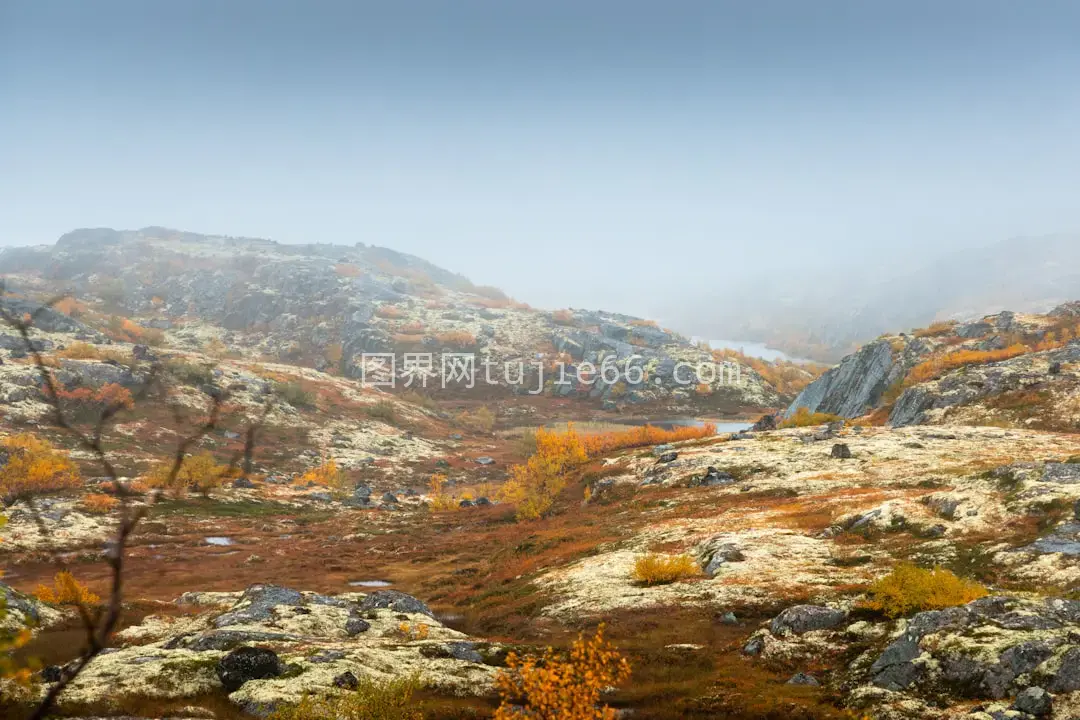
(269, 645)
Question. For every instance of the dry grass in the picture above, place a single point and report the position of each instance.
(804, 418)
(936, 367)
(653, 569)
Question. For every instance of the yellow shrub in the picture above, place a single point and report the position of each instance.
(909, 589)
(80, 351)
(66, 590)
(326, 474)
(532, 487)
(409, 631)
(804, 418)
(99, 503)
(197, 472)
(562, 687)
(34, 466)
(655, 569)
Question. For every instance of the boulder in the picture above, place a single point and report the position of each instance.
(801, 619)
(247, 663)
(1034, 701)
(396, 601)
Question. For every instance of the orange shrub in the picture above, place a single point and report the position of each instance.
(457, 339)
(326, 474)
(99, 503)
(34, 466)
(601, 443)
(786, 376)
(936, 367)
(80, 351)
(389, 312)
(69, 306)
(562, 687)
(413, 328)
(562, 317)
(87, 405)
(348, 270)
(66, 590)
(937, 329)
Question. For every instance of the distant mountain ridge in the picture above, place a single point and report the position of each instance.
(826, 317)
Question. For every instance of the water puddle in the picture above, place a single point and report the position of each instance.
(370, 583)
(220, 541)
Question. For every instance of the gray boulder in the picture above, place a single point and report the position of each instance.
(396, 601)
(801, 619)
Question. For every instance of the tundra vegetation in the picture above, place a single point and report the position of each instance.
(209, 515)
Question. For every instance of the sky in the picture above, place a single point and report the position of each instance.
(621, 155)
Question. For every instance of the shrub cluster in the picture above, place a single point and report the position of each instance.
(88, 404)
(34, 466)
(66, 590)
(562, 687)
(804, 418)
(200, 473)
(909, 589)
(936, 367)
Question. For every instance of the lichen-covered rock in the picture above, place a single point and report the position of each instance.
(273, 644)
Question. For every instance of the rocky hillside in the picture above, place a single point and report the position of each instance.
(325, 306)
(1007, 369)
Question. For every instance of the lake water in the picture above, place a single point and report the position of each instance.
(755, 349)
(722, 428)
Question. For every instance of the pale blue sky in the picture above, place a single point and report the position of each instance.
(603, 154)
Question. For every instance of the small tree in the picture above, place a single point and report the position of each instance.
(33, 467)
(200, 473)
(325, 474)
(562, 687)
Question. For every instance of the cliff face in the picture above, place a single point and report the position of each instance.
(857, 385)
(1005, 369)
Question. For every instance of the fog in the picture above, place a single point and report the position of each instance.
(766, 169)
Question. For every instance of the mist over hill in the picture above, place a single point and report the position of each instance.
(824, 315)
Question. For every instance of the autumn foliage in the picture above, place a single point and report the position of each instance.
(643, 436)
(562, 687)
(936, 367)
(200, 473)
(804, 418)
(34, 466)
(325, 474)
(786, 376)
(66, 590)
(533, 487)
(88, 404)
(653, 569)
(99, 503)
(909, 589)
